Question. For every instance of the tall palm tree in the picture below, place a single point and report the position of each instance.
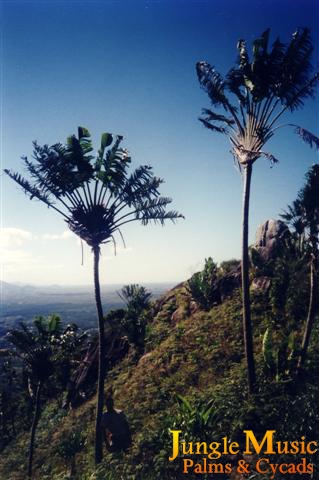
(96, 196)
(303, 216)
(253, 96)
(35, 346)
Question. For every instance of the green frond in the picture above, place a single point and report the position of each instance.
(159, 216)
(60, 168)
(115, 165)
(275, 60)
(41, 325)
(294, 83)
(212, 116)
(214, 128)
(83, 133)
(273, 160)
(260, 53)
(45, 186)
(54, 324)
(141, 185)
(212, 82)
(308, 137)
(235, 82)
(30, 190)
(106, 141)
(253, 77)
(243, 59)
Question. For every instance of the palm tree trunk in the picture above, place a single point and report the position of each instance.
(72, 467)
(247, 327)
(312, 307)
(101, 370)
(34, 427)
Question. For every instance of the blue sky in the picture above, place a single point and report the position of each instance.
(129, 67)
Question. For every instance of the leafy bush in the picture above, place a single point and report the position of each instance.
(203, 285)
(133, 323)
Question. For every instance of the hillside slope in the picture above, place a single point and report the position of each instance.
(189, 352)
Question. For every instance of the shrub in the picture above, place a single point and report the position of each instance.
(203, 286)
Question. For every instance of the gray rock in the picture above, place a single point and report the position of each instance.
(269, 237)
(261, 284)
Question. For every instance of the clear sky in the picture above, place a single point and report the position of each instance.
(128, 67)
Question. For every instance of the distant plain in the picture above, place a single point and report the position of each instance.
(75, 304)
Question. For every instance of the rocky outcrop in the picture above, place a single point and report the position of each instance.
(270, 237)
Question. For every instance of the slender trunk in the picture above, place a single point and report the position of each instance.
(247, 327)
(72, 467)
(101, 370)
(312, 307)
(34, 427)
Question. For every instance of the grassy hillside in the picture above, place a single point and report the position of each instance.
(192, 353)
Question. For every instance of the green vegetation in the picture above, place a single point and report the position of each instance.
(134, 321)
(44, 350)
(203, 285)
(191, 378)
(255, 94)
(303, 215)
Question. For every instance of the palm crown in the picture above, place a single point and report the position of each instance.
(95, 194)
(36, 346)
(266, 86)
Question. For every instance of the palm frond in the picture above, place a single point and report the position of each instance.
(273, 160)
(29, 189)
(255, 76)
(275, 60)
(115, 166)
(59, 168)
(235, 82)
(106, 141)
(308, 137)
(214, 128)
(243, 57)
(54, 324)
(159, 216)
(212, 82)
(293, 86)
(213, 116)
(140, 186)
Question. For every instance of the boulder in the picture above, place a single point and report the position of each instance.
(261, 284)
(269, 237)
